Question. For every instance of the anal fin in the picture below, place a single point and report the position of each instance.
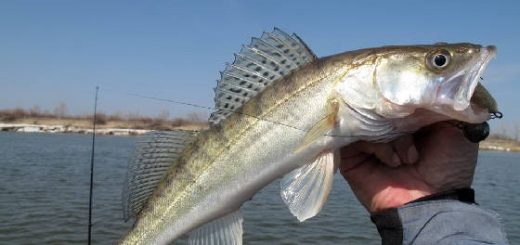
(306, 189)
(226, 230)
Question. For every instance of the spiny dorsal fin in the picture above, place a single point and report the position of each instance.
(266, 59)
(156, 152)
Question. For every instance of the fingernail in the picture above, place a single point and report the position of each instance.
(396, 161)
(413, 155)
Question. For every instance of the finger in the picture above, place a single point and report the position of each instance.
(405, 149)
(351, 163)
(351, 156)
(384, 152)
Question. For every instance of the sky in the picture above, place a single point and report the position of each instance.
(54, 52)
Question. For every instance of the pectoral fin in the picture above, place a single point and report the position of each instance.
(306, 189)
(321, 128)
(224, 231)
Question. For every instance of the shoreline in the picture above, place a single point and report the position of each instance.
(503, 145)
(58, 129)
(490, 144)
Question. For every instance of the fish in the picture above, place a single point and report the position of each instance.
(282, 112)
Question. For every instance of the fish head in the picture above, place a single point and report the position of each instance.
(441, 78)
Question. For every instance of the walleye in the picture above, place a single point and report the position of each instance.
(283, 112)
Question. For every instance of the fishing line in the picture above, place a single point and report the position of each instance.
(170, 101)
(493, 115)
(92, 167)
(155, 98)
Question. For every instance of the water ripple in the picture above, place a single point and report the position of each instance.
(44, 183)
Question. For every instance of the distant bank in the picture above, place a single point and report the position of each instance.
(490, 144)
(39, 128)
(35, 128)
(19, 120)
(500, 144)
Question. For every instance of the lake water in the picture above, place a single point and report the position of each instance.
(44, 182)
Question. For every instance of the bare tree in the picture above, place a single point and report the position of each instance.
(196, 117)
(164, 114)
(60, 110)
(516, 129)
(35, 111)
(133, 116)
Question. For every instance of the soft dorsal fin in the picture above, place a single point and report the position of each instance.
(266, 59)
(155, 153)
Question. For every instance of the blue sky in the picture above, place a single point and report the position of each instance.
(58, 51)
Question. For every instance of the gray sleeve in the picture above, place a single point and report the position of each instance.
(440, 221)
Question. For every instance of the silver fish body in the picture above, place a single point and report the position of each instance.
(319, 107)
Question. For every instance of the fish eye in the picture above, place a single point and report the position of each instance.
(439, 60)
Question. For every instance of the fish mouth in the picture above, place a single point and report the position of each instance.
(458, 90)
(454, 95)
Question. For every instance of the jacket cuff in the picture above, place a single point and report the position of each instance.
(389, 223)
(466, 195)
(389, 226)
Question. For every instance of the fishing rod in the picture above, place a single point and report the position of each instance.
(92, 167)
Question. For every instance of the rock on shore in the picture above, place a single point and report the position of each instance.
(35, 128)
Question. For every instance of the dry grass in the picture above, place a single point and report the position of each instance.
(20, 116)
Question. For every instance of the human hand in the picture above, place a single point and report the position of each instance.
(388, 175)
